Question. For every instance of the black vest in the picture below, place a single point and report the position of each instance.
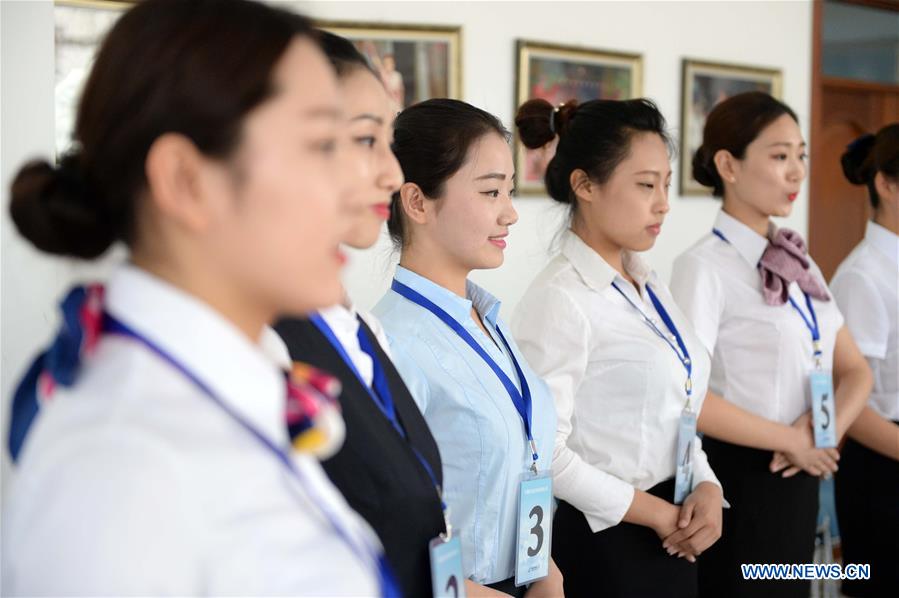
(376, 469)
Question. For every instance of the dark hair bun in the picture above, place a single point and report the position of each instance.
(856, 160)
(54, 209)
(705, 172)
(538, 121)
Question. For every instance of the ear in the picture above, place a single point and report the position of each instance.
(175, 171)
(726, 165)
(414, 203)
(581, 185)
(885, 186)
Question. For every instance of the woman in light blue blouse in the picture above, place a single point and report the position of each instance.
(492, 417)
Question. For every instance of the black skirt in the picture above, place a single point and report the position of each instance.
(771, 520)
(867, 497)
(625, 561)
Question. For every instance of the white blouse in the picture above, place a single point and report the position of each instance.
(343, 322)
(618, 388)
(761, 354)
(866, 287)
(133, 482)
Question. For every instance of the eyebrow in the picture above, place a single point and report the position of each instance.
(653, 172)
(786, 143)
(322, 112)
(492, 175)
(366, 116)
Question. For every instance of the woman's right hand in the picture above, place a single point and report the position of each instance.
(804, 456)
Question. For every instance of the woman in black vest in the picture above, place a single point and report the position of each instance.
(389, 467)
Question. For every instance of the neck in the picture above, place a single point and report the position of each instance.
(889, 219)
(439, 270)
(747, 214)
(204, 285)
(607, 249)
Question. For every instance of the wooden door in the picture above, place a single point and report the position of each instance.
(839, 211)
(842, 109)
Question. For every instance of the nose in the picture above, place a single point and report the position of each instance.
(662, 206)
(797, 171)
(390, 176)
(509, 215)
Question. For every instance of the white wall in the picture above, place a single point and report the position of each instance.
(771, 34)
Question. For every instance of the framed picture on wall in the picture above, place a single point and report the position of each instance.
(703, 85)
(415, 62)
(558, 74)
(79, 27)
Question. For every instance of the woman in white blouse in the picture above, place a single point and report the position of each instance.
(759, 304)
(866, 287)
(622, 362)
(161, 463)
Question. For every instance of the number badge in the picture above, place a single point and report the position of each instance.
(823, 409)
(447, 579)
(683, 477)
(535, 514)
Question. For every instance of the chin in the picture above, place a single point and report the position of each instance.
(645, 243)
(489, 262)
(363, 237)
(783, 211)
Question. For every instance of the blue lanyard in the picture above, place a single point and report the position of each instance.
(365, 553)
(522, 399)
(683, 355)
(381, 394)
(811, 324)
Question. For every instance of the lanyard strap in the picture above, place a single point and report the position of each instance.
(363, 551)
(380, 394)
(811, 324)
(522, 399)
(683, 355)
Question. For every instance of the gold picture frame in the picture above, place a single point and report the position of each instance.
(560, 73)
(415, 62)
(703, 85)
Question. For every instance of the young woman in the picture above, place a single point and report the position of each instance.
(759, 304)
(866, 288)
(627, 373)
(388, 468)
(491, 415)
(161, 461)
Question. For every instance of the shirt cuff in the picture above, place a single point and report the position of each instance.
(702, 471)
(616, 499)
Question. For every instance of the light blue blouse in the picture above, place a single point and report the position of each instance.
(478, 430)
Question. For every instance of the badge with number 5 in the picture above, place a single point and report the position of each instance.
(535, 519)
(824, 415)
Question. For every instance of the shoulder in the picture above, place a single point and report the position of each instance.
(703, 256)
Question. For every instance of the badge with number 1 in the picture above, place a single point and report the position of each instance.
(447, 579)
(823, 409)
(535, 519)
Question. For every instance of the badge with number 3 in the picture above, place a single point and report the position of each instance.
(535, 515)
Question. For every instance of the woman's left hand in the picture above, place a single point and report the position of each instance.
(699, 523)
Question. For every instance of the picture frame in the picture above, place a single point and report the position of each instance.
(703, 85)
(558, 74)
(79, 27)
(415, 62)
